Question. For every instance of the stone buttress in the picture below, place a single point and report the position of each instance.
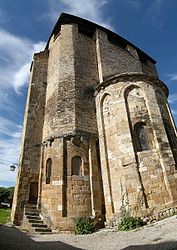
(26, 189)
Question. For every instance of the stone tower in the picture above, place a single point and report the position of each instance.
(98, 134)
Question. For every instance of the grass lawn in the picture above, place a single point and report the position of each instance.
(4, 215)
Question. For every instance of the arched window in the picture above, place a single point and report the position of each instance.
(76, 164)
(140, 137)
(48, 170)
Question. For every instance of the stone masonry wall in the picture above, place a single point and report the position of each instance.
(150, 169)
(32, 135)
(86, 82)
(60, 97)
(67, 196)
(112, 59)
(149, 68)
(142, 182)
(51, 194)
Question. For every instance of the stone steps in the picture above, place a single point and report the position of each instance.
(33, 220)
(32, 213)
(31, 217)
(32, 210)
(39, 225)
(43, 230)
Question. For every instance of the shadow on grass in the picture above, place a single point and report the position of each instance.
(168, 245)
(13, 239)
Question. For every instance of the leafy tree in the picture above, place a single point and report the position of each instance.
(6, 194)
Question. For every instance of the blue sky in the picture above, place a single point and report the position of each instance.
(25, 27)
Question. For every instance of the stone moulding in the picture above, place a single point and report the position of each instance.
(132, 77)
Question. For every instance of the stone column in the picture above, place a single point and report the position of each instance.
(94, 179)
(104, 163)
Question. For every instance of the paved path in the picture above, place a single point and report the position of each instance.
(159, 236)
(12, 238)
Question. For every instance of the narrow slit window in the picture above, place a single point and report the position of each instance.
(141, 139)
(48, 170)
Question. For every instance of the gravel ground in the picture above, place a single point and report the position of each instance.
(158, 236)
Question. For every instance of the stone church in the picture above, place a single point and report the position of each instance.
(98, 133)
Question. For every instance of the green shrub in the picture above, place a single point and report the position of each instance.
(128, 223)
(84, 225)
(4, 215)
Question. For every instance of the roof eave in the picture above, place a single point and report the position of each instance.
(65, 18)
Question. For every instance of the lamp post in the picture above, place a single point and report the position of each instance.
(13, 167)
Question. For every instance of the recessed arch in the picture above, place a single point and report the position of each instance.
(128, 88)
(170, 135)
(104, 123)
(105, 110)
(103, 97)
(172, 140)
(162, 103)
(138, 117)
(76, 165)
(160, 94)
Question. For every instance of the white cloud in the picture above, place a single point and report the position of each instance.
(10, 135)
(172, 98)
(172, 77)
(134, 3)
(7, 104)
(4, 18)
(21, 77)
(88, 9)
(9, 128)
(156, 7)
(15, 57)
(174, 112)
